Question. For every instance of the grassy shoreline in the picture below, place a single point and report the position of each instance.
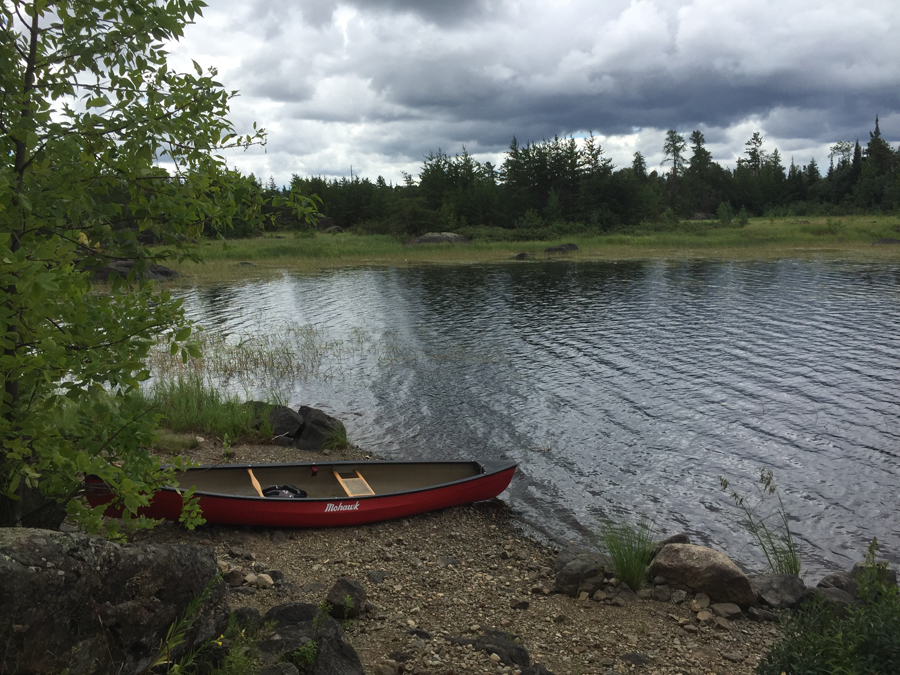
(848, 238)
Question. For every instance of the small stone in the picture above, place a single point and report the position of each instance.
(724, 624)
(702, 600)
(703, 616)
(645, 593)
(519, 604)
(662, 593)
(759, 614)
(583, 596)
(678, 597)
(560, 618)
(264, 581)
(690, 628)
(732, 656)
(495, 658)
(250, 579)
(234, 577)
(727, 610)
(598, 596)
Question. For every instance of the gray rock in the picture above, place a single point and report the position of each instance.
(347, 599)
(681, 538)
(759, 614)
(286, 423)
(727, 610)
(247, 618)
(376, 576)
(103, 607)
(840, 580)
(583, 573)
(636, 658)
(662, 593)
(833, 596)
(318, 427)
(778, 591)
(291, 613)
(704, 570)
(501, 644)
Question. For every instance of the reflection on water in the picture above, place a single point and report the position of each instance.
(621, 388)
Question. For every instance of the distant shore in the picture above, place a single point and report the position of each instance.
(851, 238)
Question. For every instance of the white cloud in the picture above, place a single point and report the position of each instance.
(378, 84)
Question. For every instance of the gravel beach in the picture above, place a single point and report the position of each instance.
(438, 577)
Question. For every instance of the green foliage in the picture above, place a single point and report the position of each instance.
(87, 105)
(630, 547)
(725, 214)
(337, 439)
(304, 656)
(742, 217)
(176, 636)
(823, 639)
(770, 527)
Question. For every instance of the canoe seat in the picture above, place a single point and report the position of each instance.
(354, 486)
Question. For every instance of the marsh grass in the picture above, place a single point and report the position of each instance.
(849, 237)
(768, 525)
(190, 403)
(630, 547)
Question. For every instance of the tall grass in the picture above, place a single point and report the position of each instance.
(191, 404)
(630, 547)
(769, 526)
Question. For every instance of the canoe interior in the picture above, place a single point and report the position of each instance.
(383, 478)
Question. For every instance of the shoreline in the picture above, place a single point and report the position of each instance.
(455, 573)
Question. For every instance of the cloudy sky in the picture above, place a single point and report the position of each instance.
(377, 84)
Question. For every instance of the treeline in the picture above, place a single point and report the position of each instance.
(562, 185)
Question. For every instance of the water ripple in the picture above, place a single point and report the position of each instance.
(622, 388)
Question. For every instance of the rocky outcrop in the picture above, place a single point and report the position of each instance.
(439, 238)
(298, 624)
(306, 428)
(71, 601)
(703, 570)
(580, 572)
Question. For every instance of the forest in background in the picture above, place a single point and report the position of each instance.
(549, 188)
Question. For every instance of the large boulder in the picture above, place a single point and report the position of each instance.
(703, 570)
(317, 429)
(86, 605)
(306, 428)
(778, 591)
(439, 238)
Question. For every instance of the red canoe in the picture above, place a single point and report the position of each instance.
(335, 493)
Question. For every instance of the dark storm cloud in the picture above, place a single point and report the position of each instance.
(386, 81)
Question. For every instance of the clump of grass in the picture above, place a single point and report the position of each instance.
(191, 404)
(337, 439)
(630, 547)
(821, 638)
(769, 526)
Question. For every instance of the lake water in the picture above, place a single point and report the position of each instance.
(622, 388)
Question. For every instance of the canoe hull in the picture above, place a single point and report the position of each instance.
(321, 512)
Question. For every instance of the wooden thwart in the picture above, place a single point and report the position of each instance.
(354, 487)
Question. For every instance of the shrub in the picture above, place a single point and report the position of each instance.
(823, 639)
(630, 547)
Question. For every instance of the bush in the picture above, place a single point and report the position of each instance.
(725, 213)
(823, 639)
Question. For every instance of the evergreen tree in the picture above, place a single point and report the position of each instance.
(673, 151)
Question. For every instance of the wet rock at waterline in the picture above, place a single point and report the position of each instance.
(306, 428)
(103, 607)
